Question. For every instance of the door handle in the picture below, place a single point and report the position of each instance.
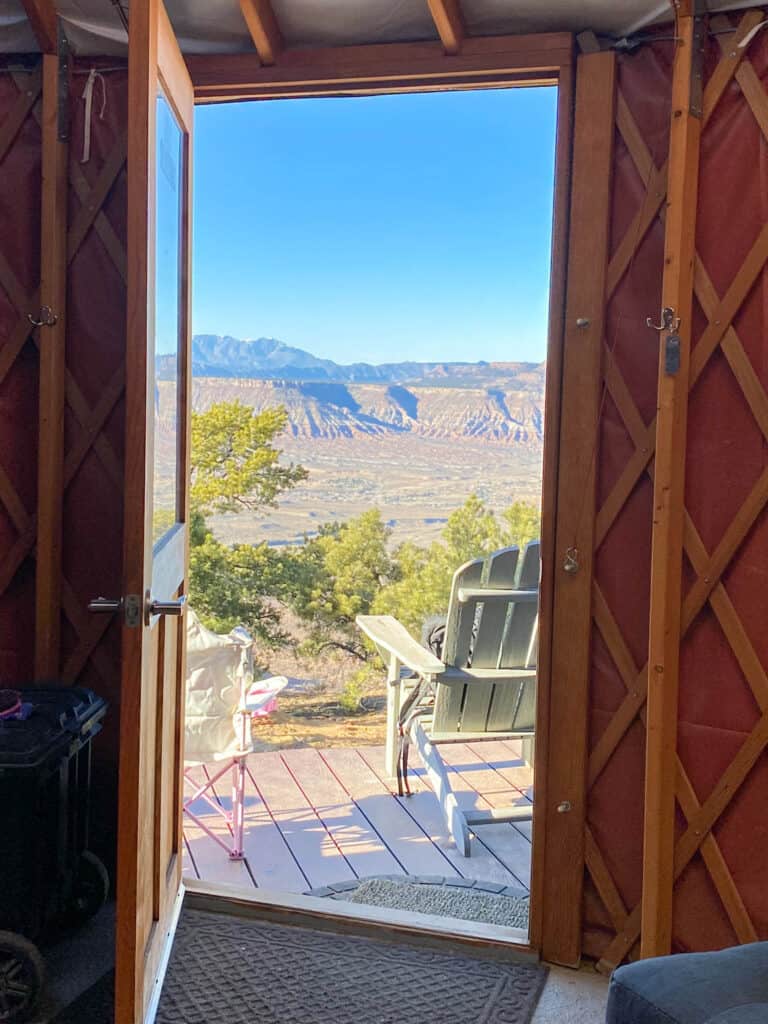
(175, 607)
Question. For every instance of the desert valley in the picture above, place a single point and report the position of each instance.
(413, 439)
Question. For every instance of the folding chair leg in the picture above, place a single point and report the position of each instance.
(438, 777)
(238, 811)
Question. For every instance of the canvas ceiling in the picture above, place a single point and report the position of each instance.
(93, 27)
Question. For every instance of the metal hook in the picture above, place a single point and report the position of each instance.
(669, 322)
(47, 317)
(571, 561)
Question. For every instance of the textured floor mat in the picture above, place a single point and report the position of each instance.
(463, 902)
(244, 972)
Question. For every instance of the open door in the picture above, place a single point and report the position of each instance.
(161, 103)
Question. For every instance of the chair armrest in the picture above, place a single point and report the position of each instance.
(392, 637)
(467, 594)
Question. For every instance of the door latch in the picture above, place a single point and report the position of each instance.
(130, 605)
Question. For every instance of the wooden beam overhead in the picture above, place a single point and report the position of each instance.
(382, 67)
(265, 32)
(42, 17)
(669, 492)
(449, 23)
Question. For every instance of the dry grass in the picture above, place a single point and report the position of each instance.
(319, 708)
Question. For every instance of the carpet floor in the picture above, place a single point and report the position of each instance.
(224, 967)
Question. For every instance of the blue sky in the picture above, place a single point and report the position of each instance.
(378, 229)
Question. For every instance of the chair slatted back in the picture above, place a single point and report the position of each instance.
(490, 622)
(459, 628)
(514, 706)
(495, 634)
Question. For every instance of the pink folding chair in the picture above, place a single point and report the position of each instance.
(222, 700)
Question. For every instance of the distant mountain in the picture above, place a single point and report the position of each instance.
(505, 413)
(269, 359)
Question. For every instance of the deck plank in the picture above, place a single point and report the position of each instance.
(313, 847)
(472, 764)
(269, 857)
(507, 761)
(398, 830)
(188, 869)
(510, 842)
(211, 861)
(423, 807)
(318, 817)
(506, 757)
(351, 829)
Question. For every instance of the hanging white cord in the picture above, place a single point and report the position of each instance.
(93, 74)
(751, 35)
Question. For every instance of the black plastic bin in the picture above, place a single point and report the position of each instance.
(48, 877)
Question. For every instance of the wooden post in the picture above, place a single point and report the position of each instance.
(669, 490)
(565, 811)
(52, 337)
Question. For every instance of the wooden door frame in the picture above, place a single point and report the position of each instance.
(483, 62)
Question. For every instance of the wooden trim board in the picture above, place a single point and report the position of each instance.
(391, 67)
(52, 344)
(669, 506)
(315, 911)
(564, 814)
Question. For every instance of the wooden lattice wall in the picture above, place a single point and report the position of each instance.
(94, 383)
(721, 784)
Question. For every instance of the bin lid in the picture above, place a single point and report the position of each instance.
(56, 717)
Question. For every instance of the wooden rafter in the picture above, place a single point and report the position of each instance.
(43, 19)
(265, 32)
(449, 23)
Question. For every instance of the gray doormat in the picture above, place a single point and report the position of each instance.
(464, 902)
(243, 972)
(464, 898)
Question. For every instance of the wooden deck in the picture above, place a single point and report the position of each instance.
(314, 817)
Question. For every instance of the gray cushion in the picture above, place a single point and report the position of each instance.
(689, 988)
(752, 1013)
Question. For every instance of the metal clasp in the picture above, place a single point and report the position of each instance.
(47, 318)
(669, 322)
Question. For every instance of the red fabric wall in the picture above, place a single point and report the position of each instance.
(726, 455)
(19, 278)
(95, 354)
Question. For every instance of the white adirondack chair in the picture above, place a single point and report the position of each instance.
(485, 686)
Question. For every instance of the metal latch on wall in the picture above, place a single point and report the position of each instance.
(670, 323)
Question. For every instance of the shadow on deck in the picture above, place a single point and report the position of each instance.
(314, 818)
